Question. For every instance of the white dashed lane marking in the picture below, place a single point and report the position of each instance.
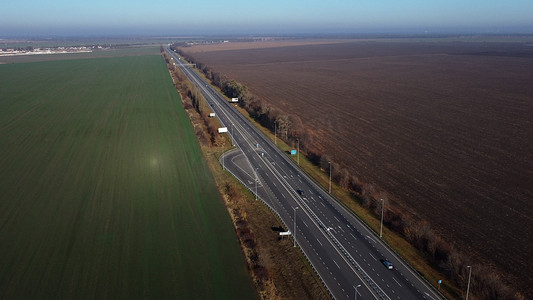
(336, 263)
(396, 281)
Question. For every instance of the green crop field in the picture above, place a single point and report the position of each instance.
(104, 193)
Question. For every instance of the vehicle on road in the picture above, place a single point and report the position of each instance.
(300, 192)
(386, 263)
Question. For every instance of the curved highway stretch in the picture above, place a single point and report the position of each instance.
(343, 251)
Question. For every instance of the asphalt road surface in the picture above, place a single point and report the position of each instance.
(343, 251)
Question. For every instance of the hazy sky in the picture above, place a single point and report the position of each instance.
(96, 17)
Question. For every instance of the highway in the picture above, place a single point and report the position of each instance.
(343, 251)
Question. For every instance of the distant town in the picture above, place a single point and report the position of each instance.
(48, 50)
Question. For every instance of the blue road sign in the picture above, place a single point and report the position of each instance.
(293, 152)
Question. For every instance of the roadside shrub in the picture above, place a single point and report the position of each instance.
(230, 190)
(260, 272)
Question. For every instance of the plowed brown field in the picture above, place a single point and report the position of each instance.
(445, 128)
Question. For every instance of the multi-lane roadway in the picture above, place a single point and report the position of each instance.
(346, 255)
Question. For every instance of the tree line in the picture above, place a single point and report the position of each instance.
(207, 134)
(442, 255)
(192, 98)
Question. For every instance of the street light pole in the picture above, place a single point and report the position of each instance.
(381, 228)
(294, 227)
(355, 287)
(232, 139)
(256, 180)
(275, 133)
(298, 151)
(329, 176)
(468, 287)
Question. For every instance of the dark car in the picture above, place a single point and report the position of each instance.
(386, 263)
(300, 192)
